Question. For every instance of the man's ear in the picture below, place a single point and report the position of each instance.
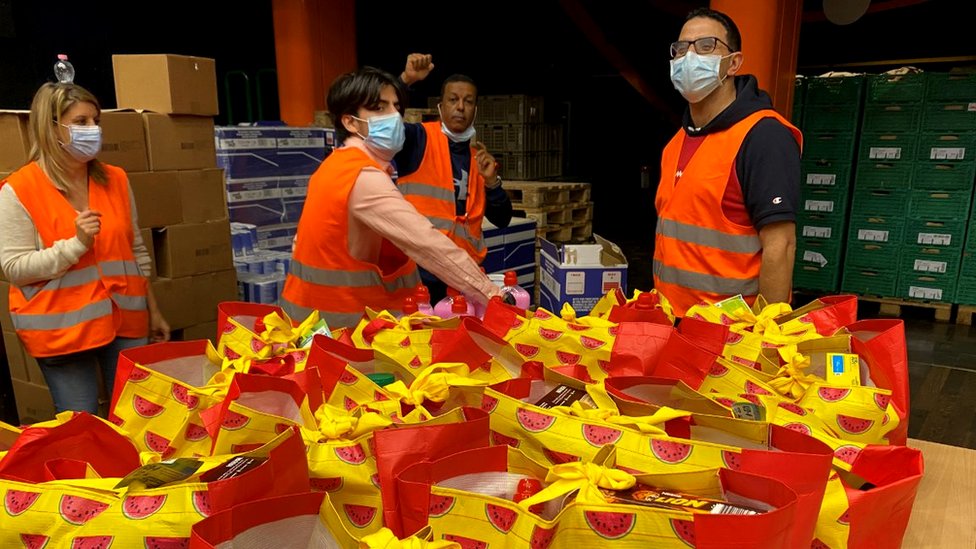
(349, 123)
(735, 63)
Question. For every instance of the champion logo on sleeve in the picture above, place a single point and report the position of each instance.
(778, 200)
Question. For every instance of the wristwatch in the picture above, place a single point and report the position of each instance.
(498, 182)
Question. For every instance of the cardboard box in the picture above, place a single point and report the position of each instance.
(34, 402)
(300, 151)
(192, 300)
(15, 357)
(147, 239)
(193, 248)
(579, 286)
(207, 330)
(124, 141)
(211, 289)
(13, 135)
(171, 84)
(175, 301)
(202, 195)
(247, 153)
(157, 196)
(179, 142)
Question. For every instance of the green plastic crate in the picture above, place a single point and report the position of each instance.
(887, 147)
(816, 278)
(966, 290)
(947, 146)
(824, 199)
(940, 86)
(894, 88)
(826, 174)
(869, 281)
(872, 255)
(942, 205)
(956, 116)
(883, 175)
(821, 225)
(834, 91)
(876, 230)
(831, 118)
(967, 265)
(944, 175)
(884, 202)
(818, 250)
(829, 147)
(894, 117)
(799, 95)
(935, 233)
(930, 260)
(928, 287)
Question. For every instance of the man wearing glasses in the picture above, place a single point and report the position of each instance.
(729, 185)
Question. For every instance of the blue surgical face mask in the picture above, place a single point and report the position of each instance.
(696, 76)
(85, 144)
(386, 135)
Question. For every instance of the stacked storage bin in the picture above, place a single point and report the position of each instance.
(886, 158)
(512, 128)
(830, 117)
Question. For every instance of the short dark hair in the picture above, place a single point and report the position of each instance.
(459, 78)
(735, 39)
(358, 89)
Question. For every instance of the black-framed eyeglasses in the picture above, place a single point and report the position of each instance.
(703, 46)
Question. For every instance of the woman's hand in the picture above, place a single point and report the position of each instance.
(158, 328)
(87, 225)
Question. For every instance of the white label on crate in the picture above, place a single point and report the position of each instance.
(611, 281)
(972, 107)
(929, 266)
(935, 239)
(550, 283)
(819, 206)
(947, 153)
(821, 179)
(260, 194)
(872, 236)
(816, 232)
(918, 292)
(253, 143)
(814, 257)
(884, 153)
(575, 283)
(301, 142)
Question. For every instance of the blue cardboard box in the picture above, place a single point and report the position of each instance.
(495, 242)
(247, 152)
(520, 244)
(579, 285)
(300, 151)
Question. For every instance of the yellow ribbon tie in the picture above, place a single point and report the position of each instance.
(645, 424)
(278, 328)
(433, 383)
(336, 423)
(791, 379)
(568, 313)
(586, 478)
(384, 539)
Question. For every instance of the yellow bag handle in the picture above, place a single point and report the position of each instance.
(608, 412)
(336, 423)
(385, 539)
(278, 328)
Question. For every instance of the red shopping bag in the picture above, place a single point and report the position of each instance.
(291, 521)
(170, 351)
(684, 359)
(83, 439)
(478, 347)
(639, 347)
(882, 344)
(828, 314)
(401, 447)
(248, 315)
(879, 511)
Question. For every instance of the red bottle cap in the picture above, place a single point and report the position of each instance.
(645, 301)
(409, 305)
(422, 295)
(511, 279)
(459, 305)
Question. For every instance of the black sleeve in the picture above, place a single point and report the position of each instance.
(768, 168)
(498, 207)
(415, 143)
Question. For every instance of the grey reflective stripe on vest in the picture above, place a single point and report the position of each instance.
(705, 282)
(740, 244)
(334, 320)
(56, 321)
(429, 191)
(460, 230)
(352, 279)
(130, 302)
(77, 277)
(119, 268)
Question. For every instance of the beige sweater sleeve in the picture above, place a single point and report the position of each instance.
(24, 259)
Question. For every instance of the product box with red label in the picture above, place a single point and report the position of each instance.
(566, 280)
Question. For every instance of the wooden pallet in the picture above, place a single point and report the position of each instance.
(892, 307)
(555, 233)
(557, 214)
(582, 230)
(964, 314)
(536, 194)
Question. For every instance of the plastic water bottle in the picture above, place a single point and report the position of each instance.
(443, 307)
(511, 287)
(422, 299)
(64, 71)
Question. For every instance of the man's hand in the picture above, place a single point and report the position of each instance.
(418, 67)
(487, 166)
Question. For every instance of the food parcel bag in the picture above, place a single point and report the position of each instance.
(468, 498)
(79, 508)
(411, 340)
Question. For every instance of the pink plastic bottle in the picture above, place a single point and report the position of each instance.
(522, 297)
(443, 307)
(422, 299)
(461, 307)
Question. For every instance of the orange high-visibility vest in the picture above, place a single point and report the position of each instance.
(323, 274)
(700, 255)
(431, 190)
(101, 297)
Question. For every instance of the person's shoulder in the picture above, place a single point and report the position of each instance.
(770, 131)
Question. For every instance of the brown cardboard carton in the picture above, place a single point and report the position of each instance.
(203, 195)
(5, 321)
(211, 289)
(179, 142)
(124, 141)
(147, 239)
(157, 196)
(207, 330)
(13, 134)
(193, 248)
(171, 84)
(34, 402)
(192, 301)
(175, 301)
(15, 357)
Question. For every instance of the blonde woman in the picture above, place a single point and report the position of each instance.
(70, 247)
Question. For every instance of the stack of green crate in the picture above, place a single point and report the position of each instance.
(831, 111)
(799, 87)
(944, 179)
(882, 185)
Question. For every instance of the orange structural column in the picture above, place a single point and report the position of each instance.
(770, 43)
(315, 42)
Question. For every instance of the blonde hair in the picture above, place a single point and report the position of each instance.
(50, 103)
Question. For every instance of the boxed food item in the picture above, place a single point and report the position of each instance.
(202, 195)
(34, 403)
(157, 196)
(13, 135)
(580, 286)
(193, 248)
(179, 142)
(164, 83)
(123, 140)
